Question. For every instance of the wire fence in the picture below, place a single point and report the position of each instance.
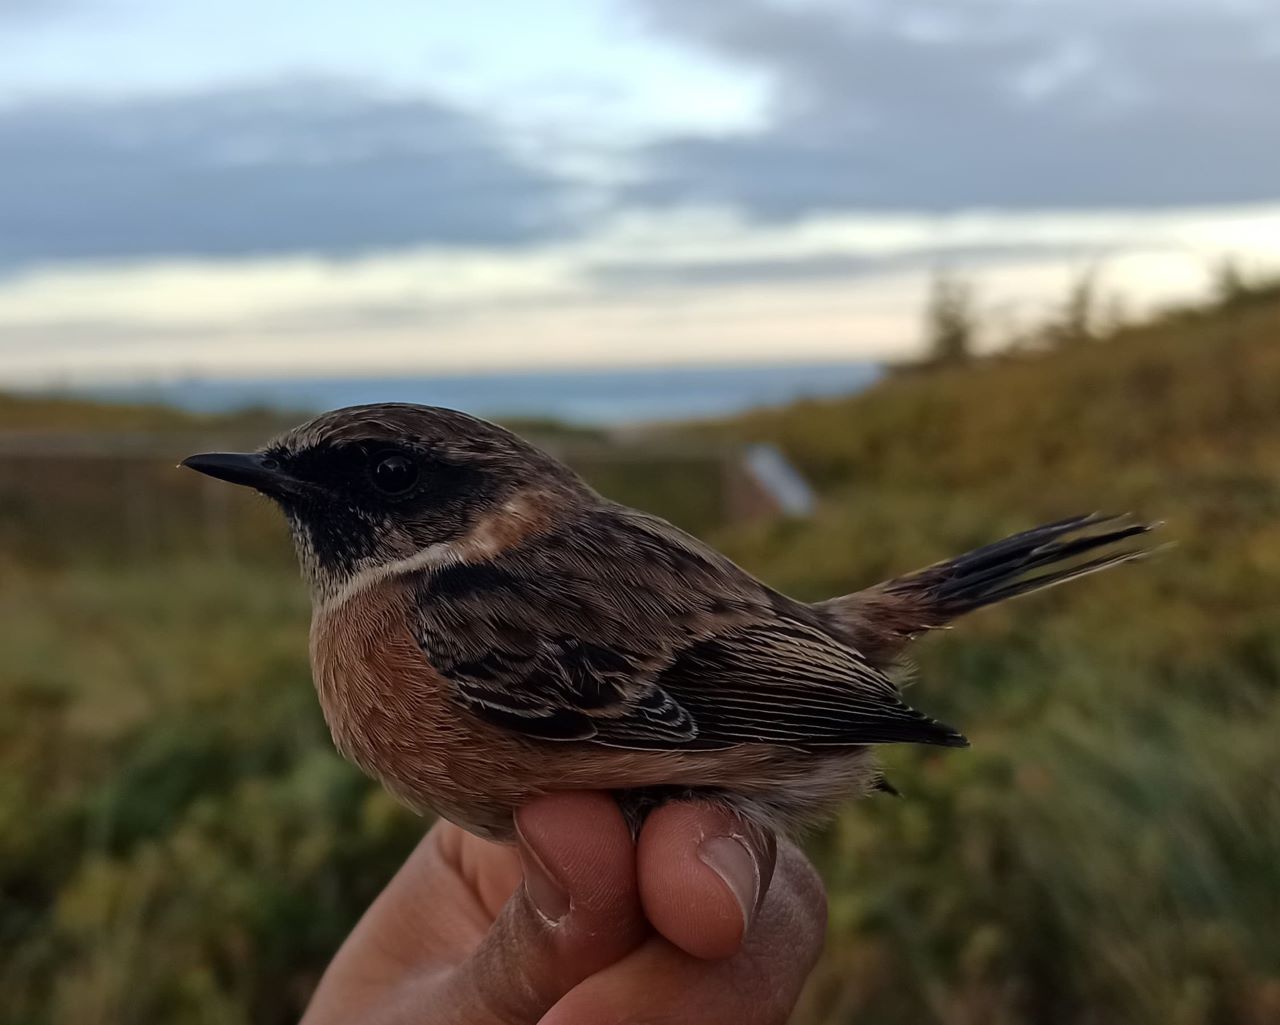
(67, 497)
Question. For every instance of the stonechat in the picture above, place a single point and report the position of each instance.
(487, 628)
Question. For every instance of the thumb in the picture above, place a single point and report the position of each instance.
(577, 912)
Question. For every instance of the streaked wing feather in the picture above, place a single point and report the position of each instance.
(624, 631)
(763, 685)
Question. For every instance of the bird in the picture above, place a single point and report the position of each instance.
(486, 628)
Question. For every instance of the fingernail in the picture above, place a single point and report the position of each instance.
(735, 863)
(546, 895)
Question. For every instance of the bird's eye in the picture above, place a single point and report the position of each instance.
(395, 474)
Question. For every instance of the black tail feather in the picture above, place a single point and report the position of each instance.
(881, 620)
(1005, 569)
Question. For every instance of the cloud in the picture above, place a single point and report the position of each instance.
(295, 167)
(926, 105)
(885, 105)
(694, 277)
(29, 10)
(826, 268)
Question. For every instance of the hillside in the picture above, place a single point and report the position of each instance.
(179, 843)
(1190, 393)
(1110, 848)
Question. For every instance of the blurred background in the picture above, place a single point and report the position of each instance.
(841, 287)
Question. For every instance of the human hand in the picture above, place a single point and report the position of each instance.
(699, 921)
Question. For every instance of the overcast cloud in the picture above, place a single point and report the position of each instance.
(889, 105)
(306, 166)
(205, 185)
(904, 104)
(15, 10)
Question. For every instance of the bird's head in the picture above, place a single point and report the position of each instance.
(368, 488)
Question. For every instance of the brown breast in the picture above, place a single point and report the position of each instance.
(390, 713)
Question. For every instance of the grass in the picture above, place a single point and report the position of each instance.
(179, 843)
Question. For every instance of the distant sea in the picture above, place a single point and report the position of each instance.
(588, 397)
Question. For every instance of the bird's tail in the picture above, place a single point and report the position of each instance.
(882, 619)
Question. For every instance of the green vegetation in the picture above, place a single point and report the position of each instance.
(51, 412)
(179, 843)
(1109, 850)
(950, 321)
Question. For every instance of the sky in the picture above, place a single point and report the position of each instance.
(244, 188)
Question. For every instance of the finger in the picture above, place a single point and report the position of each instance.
(703, 874)
(577, 912)
(758, 986)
